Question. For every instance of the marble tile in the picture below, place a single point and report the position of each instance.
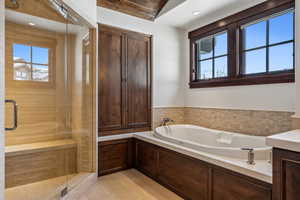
(251, 122)
(175, 113)
(289, 140)
(261, 123)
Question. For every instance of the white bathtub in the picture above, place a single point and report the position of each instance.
(216, 142)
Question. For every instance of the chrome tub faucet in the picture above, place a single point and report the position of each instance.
(165, 121)
(250, 160)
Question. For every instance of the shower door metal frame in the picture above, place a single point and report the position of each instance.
(2, 94)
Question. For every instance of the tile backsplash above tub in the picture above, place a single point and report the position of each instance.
(251, 122)
(261, 123)
(175, 113)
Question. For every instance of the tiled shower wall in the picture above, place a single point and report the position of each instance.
(251, 122)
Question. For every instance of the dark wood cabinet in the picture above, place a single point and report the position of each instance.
(146, 158)
(286, 175)
(124, 81)
(110, 80)
(184, 175)
(233, 186)
(115, 155)
(194, 179)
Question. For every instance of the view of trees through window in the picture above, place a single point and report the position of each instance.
(30, 63)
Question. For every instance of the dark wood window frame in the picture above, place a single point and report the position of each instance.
(232, 25)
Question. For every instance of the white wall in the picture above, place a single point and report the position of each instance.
(273, 97)
(167, 62)
(86, 8)
(2, 133)
(297, 59)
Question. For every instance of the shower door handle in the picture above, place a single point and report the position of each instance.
(15, 114)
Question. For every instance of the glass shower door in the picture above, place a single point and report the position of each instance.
(40, 152)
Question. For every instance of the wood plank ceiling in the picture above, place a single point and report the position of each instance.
(38, 8)
(146, 9)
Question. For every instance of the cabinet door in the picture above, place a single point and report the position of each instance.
(146, 158)
(286, 175)
(114, 156)
(184, 175)
(110, 80)
(138, 81)
(227, 186)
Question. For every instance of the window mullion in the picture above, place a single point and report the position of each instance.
(232, 51)
(213, 57)
(268, 47)
(196, 69)
(31, 60)
(294, 37)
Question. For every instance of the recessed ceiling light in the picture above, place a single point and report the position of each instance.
(196, 13)
(31, 24)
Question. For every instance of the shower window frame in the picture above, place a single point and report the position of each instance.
(232, 25)
(51, 46)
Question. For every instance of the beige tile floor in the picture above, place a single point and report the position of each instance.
(128, 185)
(44, 190)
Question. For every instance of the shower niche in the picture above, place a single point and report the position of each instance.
(49, 89)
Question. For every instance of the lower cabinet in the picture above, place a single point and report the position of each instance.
(114, 156)
(146, 158)
(286, 175)
(197, 180)
(233, 186)
(184, 175)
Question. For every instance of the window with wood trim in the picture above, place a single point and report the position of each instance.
(212, 54)
(255, 46)
(268, 44)
(30, 63)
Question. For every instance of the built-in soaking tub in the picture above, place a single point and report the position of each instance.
(216, 142)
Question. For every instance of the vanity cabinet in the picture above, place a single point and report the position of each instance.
(124, 81)
(195, 179)
(286, 175)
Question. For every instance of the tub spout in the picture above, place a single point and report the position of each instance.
(165, 121)
(250, 160)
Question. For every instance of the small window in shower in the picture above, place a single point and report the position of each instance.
(31, 63)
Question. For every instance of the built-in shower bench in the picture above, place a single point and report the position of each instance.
(22, 149)
(28, 163)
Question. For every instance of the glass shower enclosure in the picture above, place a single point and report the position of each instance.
(49, 100)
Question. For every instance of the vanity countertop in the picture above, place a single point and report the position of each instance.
(288, 140)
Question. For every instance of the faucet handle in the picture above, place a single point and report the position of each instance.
(247, 149)
(250, 160)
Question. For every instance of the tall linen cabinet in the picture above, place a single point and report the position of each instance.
(124, 81)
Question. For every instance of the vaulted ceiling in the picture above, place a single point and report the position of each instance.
(146, 9)
(38, 8)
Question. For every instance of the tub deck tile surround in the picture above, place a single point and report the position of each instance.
(262, 170)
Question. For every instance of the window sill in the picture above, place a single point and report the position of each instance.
(247, 80)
